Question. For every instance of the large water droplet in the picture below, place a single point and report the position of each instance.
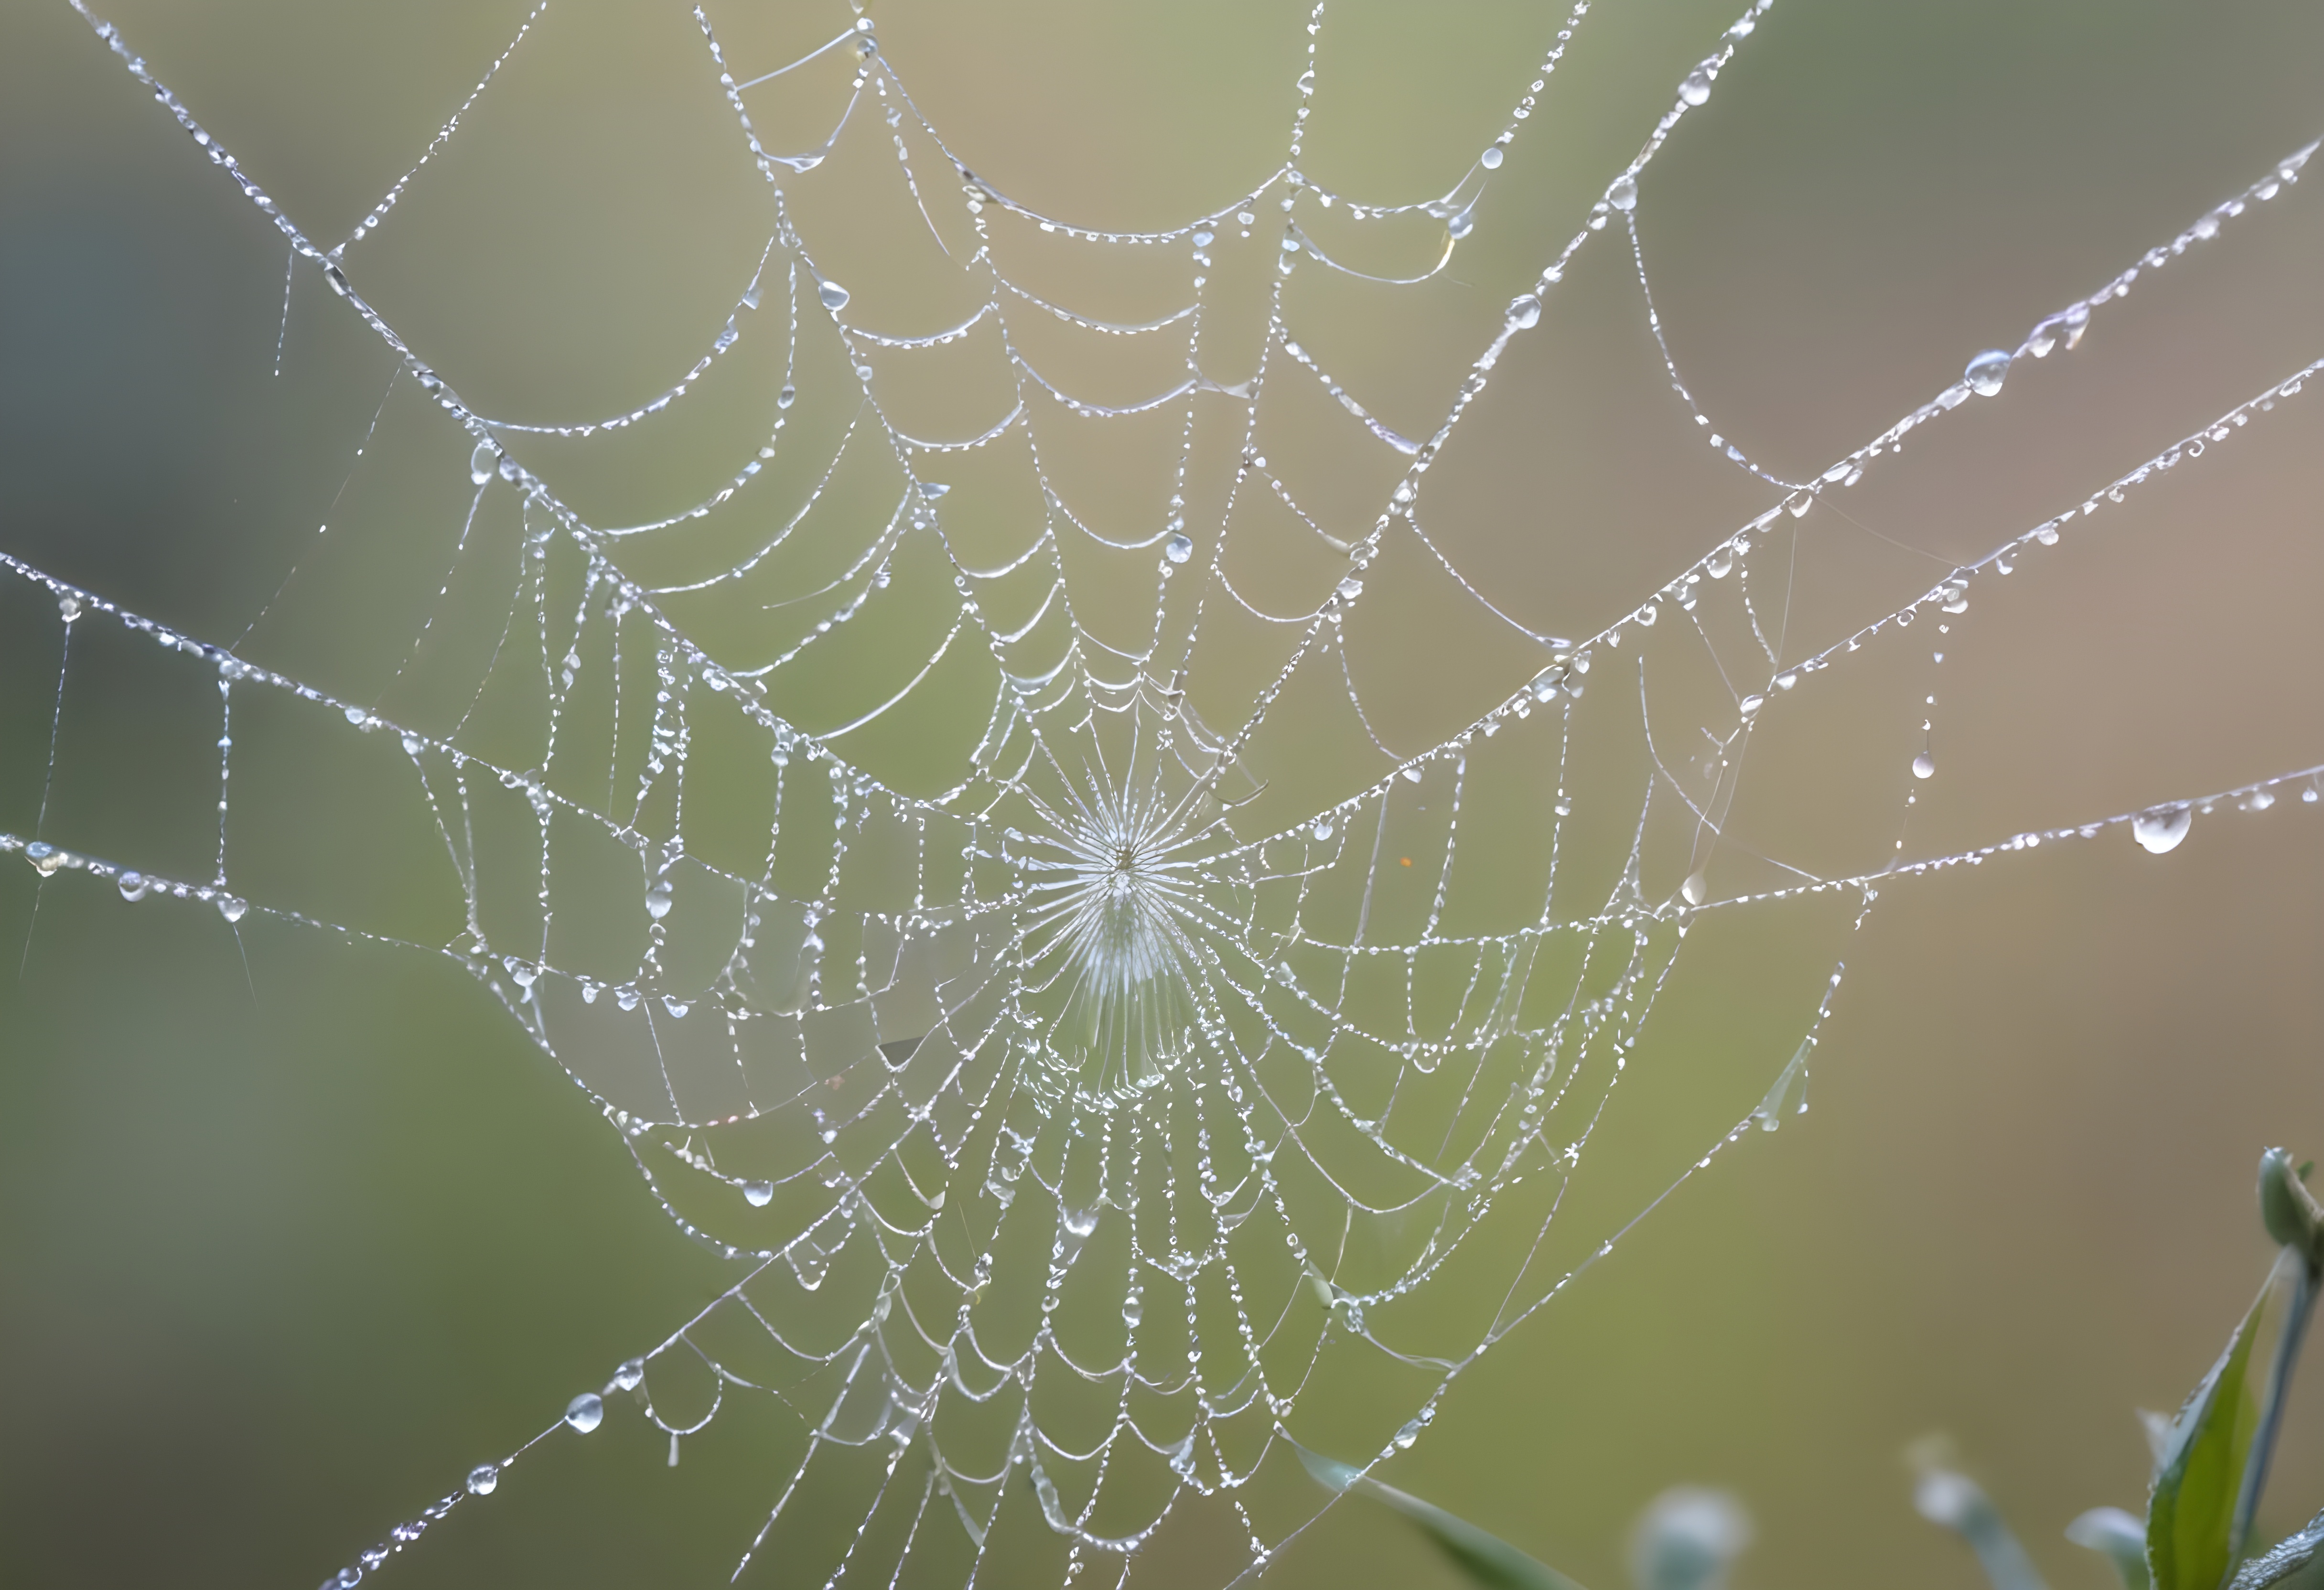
(1133, 1310)
(2161, 828)
(483, 1478)
(657, 898)
(1697, 87)
(631, 1374)
(231, 908)
(1525, 312)
(1924, 766)
(133, 886)
(1624, 193)
(1719, 563)
(1491, 159)
(1695, 890)
(758, 1194)
(833, 296)
(1750, 704)
(787, 397)
(483, 463)
(586, 1413)
(1987, 372)
(1178, 549)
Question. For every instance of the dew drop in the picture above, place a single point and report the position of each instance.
(2161, 828)
(1987, 372)
(1178, 549)
(1624, 193)
(833, 296)
(1720, 563)
(1461, 224)
(631, 1374)
(758, 1194)
(45, 858)
(1751, 703)
(1695, 890)
(2258, 800)
(483, 463)
(586, 1413)
(483, 1478)
(1408, 1434)
(932, 490)
(1525, 312)
(1133, 1310)
(1204, 239)
(1491, 159)
(1697, 87)
(657, 898)
(1924, 766)
(1323, 832)
(133, 886)
(787, 397)
(231, 908)
(69, 607)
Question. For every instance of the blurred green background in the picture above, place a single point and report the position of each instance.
(286, 1243)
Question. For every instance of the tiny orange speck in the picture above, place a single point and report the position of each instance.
(1404, 860)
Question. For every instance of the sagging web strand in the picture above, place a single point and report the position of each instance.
(1068, 1012)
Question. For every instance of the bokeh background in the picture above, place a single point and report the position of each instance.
(292, 1230)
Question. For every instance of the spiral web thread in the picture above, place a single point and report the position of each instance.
(1113, 1067)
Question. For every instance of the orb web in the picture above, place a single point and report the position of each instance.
(1023, 922)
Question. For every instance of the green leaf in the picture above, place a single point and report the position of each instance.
(1486, 1560)
(2191, 1512)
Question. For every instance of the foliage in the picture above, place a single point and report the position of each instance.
(2211, 1467)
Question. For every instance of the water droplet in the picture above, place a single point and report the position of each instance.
(787, 397)
(133, 886)
(1720, 563)
(1624, 193)
(1409, 1433)
(483, 1478)
(1924, 766)
(1695, 890)
(2258, 800)
(1204, 239)
(1133, 1310)
(631, 1374)
(69, 607)
(833, 296)
(1491, 159)
(1461, 224)
(1987, 372)
(1751, 703)
(932, 490)
(586, 1413)
(1525, 312)
(1178, 549)
(45, 858)
(810, 1263)
(2161, 828)
(1697, 87)
(482, 463)
(758, 1194)
(231, 908)
(657, 898)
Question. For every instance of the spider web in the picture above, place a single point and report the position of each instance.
(1022, 920)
